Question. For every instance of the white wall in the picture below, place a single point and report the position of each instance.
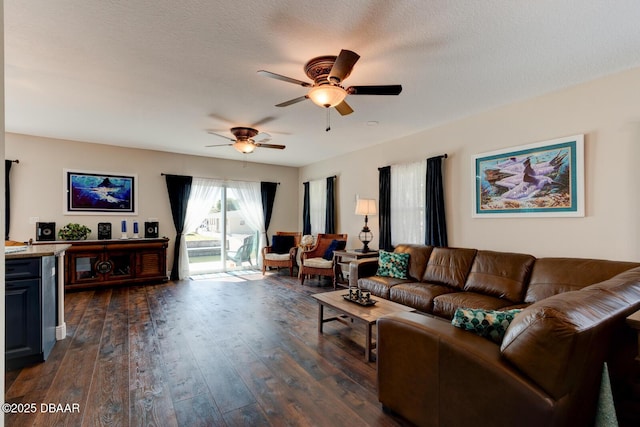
(38, 186)
(606, 110)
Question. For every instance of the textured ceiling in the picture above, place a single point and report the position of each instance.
(157, 74)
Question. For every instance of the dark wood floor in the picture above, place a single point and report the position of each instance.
(221, 352)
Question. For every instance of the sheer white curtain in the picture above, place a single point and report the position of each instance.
(318, 205)
(250, 204)
(408, 202)
(204, 193)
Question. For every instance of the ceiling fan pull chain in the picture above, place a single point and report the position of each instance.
(328, 119)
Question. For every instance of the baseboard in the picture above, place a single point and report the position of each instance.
(61, 331)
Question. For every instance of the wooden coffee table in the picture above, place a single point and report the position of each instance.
(357, 313)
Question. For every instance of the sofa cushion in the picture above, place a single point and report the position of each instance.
(445, 305)
(449, 266)
(555, 341)
(392, 264)
(500, 274)
(551, 276)
(418, 295)
(619, 285)
(418, 258)
(489, 324)
(336, 245)
(380, 286)
(282, 244)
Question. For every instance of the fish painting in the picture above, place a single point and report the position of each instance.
(100, 193)
(540, 178)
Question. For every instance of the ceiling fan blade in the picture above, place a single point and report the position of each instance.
(343, 108)
(283, 78)
(292, 101)
(221, 118)
(276, 146)
(343, 65)
(262, 121)
(219, 145)
(221, 136)
(375, 90)
(262, 137)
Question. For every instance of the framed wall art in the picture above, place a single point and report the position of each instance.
(99, 193)
(544, 179)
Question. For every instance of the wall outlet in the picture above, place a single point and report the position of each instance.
(33, 220)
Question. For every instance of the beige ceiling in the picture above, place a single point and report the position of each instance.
(157, 74)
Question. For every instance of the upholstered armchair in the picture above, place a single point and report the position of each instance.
(282, 251)
(319, 259)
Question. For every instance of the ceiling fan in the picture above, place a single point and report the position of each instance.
(247, 140)
(328, 73)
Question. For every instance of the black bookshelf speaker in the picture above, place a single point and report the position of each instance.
(45, 231)
(151, 230)
(104, 230)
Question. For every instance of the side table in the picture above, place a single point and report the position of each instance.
(634, 321)
(342, 259)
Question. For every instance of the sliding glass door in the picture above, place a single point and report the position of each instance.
(226, 238)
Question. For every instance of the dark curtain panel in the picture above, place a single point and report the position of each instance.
(268, 193)
(306, 214)
(436, 225)
(384, 217)
(179, 189)
(330, 220)
(7, 196)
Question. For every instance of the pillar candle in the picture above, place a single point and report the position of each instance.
(124, 225)
(135, 227)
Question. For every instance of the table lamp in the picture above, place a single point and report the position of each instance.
(365, 207)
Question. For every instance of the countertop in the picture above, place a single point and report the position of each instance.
(38, 251)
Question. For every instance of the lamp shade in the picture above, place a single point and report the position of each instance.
(327, 95)
(244, 146)
(366, 207)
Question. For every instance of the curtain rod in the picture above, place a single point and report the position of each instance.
(16, 161)
(206, 177)
(332, 176)
(442, 156)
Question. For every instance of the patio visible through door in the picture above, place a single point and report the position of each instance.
(224, 240)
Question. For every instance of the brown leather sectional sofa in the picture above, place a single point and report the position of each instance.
(547, 370)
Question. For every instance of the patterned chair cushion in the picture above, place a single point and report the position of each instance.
(489, 324)
(392, 264)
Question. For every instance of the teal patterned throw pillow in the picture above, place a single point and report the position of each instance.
(391, 264)
(486, 323)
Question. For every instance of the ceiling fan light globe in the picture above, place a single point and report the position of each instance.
(244, 147)
(327, 95)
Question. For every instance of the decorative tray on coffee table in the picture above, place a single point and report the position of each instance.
(359, 301)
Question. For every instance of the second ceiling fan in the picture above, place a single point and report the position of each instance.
(247, 140)
(328, 73)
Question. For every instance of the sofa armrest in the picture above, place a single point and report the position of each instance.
(364, 267)
(433, 373)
